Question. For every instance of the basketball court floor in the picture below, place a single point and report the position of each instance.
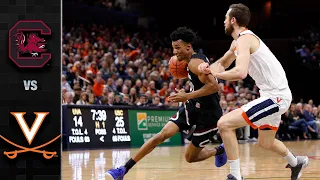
(168, 163)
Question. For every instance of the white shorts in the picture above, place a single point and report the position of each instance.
(265, 112)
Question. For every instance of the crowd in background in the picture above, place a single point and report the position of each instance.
(308, 47)
(110, 66)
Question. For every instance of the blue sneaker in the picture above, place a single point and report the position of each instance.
(117, 174)
(221, 159)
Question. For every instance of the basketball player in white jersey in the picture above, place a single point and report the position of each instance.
(253, 57)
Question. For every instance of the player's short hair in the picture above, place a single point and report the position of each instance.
(185, 34)
(241, 12)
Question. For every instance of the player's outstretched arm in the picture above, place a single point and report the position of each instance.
(240, 70)
(211, 85)
(226, 60)
(228, 57)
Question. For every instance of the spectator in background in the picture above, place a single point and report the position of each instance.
(118, 100)
(98, 85)
(228, 88)
(68, 98)
(304, 52)
(83, 99)
(288, 119)
(92, 99)
(318, 122)
(77, 93)
(310, 119)
(224, 106)
(164, 90)
(110, 101)
(133, 95)
(105, 70)
(310, 102)
(65, 84)
(142, 101)
(156, 101)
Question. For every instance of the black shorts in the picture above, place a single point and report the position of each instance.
(205, 120)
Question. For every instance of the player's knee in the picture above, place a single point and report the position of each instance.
(189, 158)
(160, 137)
(223, 125)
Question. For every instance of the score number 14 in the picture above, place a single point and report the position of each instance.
(78, 121)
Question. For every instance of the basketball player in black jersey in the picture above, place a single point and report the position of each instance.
(201, 110)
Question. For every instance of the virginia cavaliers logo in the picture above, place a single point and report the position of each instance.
(27, 47)
(279, 100)
(30, 134)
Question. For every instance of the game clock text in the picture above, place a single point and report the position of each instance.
(93, 127)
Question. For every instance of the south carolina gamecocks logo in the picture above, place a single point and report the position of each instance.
(27, 45)
(34, 44)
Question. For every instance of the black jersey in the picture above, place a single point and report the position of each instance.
(204, 112)
(210, 100)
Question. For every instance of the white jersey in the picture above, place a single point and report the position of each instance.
(267, 72)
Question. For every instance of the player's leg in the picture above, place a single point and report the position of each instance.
(249, 113)
(196, 154)
(265, 114)
(168, 131)
(227, 125)
(267, 141)
(197, 151)
(175, 124)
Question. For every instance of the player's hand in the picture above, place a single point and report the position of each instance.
(172, 58)
(181, 96)
(204, 68)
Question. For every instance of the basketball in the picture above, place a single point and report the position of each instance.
(178, 69)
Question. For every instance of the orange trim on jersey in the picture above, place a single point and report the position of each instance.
(243, 30)
(262, 127)
(244, 115)
(268, 126)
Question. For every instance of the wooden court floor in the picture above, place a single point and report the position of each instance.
(168, 163)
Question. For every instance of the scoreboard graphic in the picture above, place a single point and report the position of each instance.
(95, 127)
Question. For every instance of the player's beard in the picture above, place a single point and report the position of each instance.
(228, 30)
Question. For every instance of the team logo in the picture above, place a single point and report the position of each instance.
(27, 44)
(142, 121)
(30, 134)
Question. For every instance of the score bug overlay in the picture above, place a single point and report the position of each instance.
(95, 127)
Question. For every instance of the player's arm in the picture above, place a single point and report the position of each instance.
(240, 70)
(211, 86)
(228, 57)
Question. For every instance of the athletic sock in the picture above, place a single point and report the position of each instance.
(292, 159)
(235, 168)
